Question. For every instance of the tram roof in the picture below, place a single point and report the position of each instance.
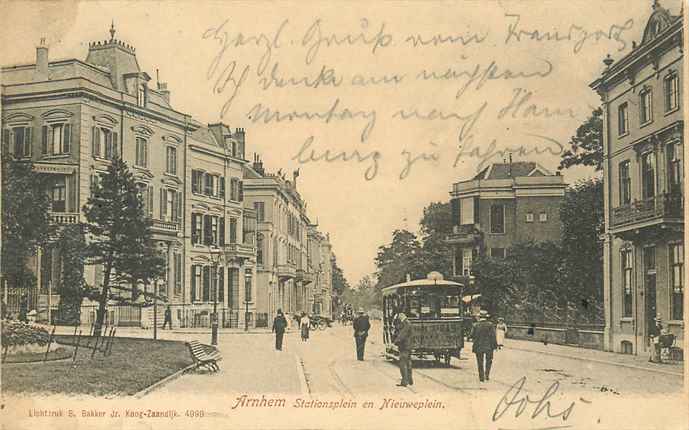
(423, 283)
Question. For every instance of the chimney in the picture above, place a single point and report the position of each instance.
(240, 135)
(258, 165)
(162, 89)
(41, 61)
(295, 175)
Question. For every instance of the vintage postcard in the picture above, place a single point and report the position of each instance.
(343, 214)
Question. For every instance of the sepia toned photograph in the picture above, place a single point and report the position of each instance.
(343, 214)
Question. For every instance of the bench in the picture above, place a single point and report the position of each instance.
(204, 355)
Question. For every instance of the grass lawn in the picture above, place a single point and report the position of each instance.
(59, 354)
(133, 365)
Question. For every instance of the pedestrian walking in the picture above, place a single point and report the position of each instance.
(361, 325)
(168, 318)
(484, 343)
(500, 332)
(403, 342)
(655, 333)
(279, 326)
(305, 324)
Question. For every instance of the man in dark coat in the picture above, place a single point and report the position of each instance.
(361, 325)
(484, 343)
(403, 342)
(279, 326)
(168, 318)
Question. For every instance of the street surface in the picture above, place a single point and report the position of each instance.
(327, 364)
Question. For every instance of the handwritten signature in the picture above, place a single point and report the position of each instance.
(515, 401)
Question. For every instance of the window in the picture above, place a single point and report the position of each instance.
(233, 287)
(671, 87)
(141, 96)
(59, 196)
(675, 168)
(497, 219)
(95, 183)
(247, 285)
(260, 211)
(104, 143)
(211, 227)
(233, 230)
(214, 230)
(529, 217)
(171, 160)
(625, 183)
(497, 252)
(206, 294)
(56, 139)
(234, 189)
(648, 175)
(543, 217)
(195, 283)
(623, 119)
(677, 279)
(467, 254)
(196, 181)
(146, 197)
(17, 140)
(196, 228)
(170, 205)
(141, 152)
(646, 106)
(627, 282)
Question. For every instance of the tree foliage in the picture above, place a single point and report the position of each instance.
(586, 146)
(119, 237)
(582, 226)
(396, 260)
(436, 225)
(25, 218)
(71, 285)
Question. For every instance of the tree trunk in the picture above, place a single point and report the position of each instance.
(103, 302)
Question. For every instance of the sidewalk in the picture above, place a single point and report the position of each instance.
(639, 362)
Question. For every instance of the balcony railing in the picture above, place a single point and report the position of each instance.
(669, 205)
(241, 250)
(464, 234)
(64, 218)
(165, 226)
(286, 271)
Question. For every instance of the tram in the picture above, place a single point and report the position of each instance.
(434, 308)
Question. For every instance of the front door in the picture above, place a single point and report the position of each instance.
(651, 311)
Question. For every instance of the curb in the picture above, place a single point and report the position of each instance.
(163, 381)
(595, 360)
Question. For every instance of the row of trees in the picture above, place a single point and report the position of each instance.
(546, 281)
(116, 236)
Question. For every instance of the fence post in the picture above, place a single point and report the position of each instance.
(50, 340)
(74, 357)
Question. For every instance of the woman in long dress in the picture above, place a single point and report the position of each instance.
(305, 325)
(500, 331)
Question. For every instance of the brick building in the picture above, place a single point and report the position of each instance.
(504, 204)
(644, 186)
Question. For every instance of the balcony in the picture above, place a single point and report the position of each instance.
(286, 271)
(464, 234)
(640, 213)
(160, 226)
(304, 276)
(240, 250)
(64, 218)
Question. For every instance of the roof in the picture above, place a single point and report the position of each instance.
(512, 170)
(204, 135)
(428, 283)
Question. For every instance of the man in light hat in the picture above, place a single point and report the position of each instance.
(361, 325)
(484, 343)
(403, 342)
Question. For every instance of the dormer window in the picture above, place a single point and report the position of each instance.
(141, 95)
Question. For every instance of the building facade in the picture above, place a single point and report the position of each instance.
(504, 204)
(643, 134)
(282, 249)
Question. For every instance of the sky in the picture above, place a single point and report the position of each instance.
(455, 70)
